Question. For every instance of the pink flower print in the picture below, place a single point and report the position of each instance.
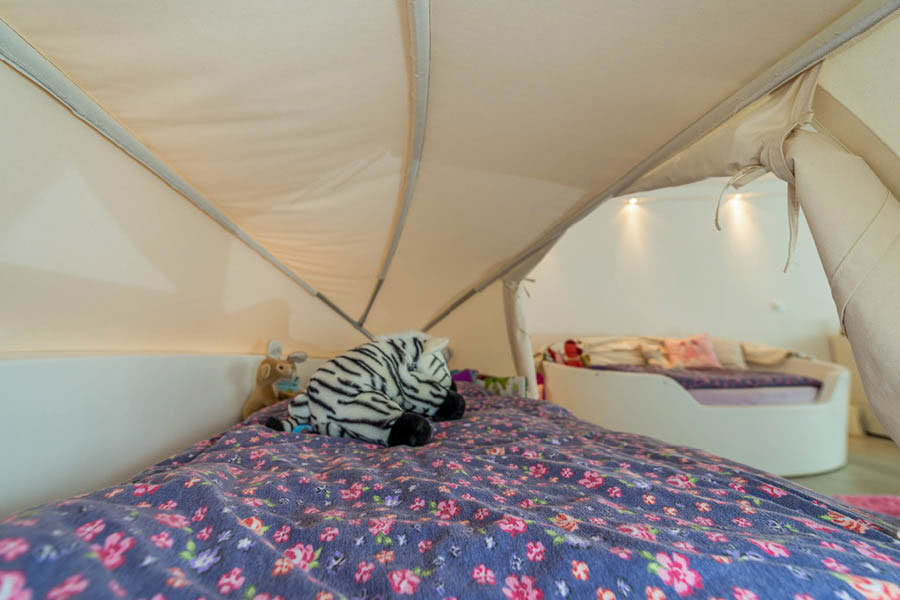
(591, 480)
(743, 594)
(538, 470)
(142, 489)
(834, 565)
(675, 572)
(283, 534)
(403, 582)
(12, 548)
(12, 584)
(481, 514)
(381, 525)
(775, 492)
(72, 586)
(535, 551)
(417, 504)
(872, 589)
(254, 524)
(604, 594)
(199, 514)
(512, 525)
(654, 593)
(162, 540)
(204, 533)
(641, 532)
(301, 556)
(112, 553)
(580, 570)
(329, 534)
(447, 509)
(364, 572)
(771, 548)
(168, 505)
(681, 481)
(425, 546)
(88, 531)
(483, 575)
(623, 553)
(231, 581)
(516, 588)
(174, 520)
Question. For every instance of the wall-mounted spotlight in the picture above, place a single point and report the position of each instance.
(632, 201)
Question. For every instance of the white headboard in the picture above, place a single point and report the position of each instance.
(71, 424)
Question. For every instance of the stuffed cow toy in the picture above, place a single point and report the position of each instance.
(382, 392)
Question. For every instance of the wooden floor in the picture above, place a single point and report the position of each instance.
(873, 467)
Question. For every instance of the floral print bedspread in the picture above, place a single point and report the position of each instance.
(517, 500)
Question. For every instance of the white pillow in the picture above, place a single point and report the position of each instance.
(729, 353)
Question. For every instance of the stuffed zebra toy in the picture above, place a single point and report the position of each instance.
(380, 392)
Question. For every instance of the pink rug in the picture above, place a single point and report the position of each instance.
(886, 505)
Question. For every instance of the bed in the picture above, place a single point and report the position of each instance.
(795, 429)
(519, 499)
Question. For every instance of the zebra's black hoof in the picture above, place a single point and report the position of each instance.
(410, 430)
(453, 407)
(273, 423)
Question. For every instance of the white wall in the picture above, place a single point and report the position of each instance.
(660, 267)
(98, 255)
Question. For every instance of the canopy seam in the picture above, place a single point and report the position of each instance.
(420, 55)
(27, 60)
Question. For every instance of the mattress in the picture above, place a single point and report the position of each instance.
(704, 379)
(516, 500)
(761, 396)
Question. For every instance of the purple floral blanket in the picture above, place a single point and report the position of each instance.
(517, 500)
(719, 379)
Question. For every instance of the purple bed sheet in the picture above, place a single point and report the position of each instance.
(517, 500)
(761, 396)
(719, 379)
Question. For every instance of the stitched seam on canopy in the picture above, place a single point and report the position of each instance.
(420, 56)
(27, 60)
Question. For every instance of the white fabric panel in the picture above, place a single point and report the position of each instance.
(533, 111)
(865, 77)
(292, 119)
(98, 254)
(477, 333)
(752, 137)
(855, 221)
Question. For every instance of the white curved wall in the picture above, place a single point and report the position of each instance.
(660, 267)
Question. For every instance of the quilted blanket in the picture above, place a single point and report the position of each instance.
(517, 500)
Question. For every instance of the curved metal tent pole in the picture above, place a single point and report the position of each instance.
(25, 59)
(854, 22)
(419, 15)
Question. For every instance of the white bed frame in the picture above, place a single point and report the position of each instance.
(71, 424)
(785, 440)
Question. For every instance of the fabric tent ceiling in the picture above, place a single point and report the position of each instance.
(299, 122)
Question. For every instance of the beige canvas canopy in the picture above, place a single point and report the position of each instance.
(399, 160)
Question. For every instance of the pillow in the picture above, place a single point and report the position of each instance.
(696, 351)
(621, 350)
(729, 353)
(655, 355)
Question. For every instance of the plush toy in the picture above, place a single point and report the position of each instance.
(269, 373)
(381, 392)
